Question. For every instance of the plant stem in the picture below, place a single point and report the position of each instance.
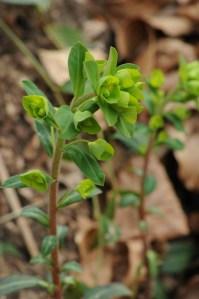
(141, 210)
(53, 215)
(36, 64)
(78, 101)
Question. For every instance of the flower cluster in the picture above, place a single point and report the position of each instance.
(119, 97)
(189, 78)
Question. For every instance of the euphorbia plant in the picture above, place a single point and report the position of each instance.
(96, 85)
(164, 109)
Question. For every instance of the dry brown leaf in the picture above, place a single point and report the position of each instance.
(171, 25)
(172, 221)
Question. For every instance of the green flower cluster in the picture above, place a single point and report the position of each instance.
(189, 77)
(119, 97)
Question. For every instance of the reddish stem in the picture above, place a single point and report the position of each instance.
(53, 217)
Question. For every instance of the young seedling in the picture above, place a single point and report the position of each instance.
(163, 108)
(116, 91)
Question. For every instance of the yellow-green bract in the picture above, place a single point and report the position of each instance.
(36, 179)
(36, 106)
(85, 187)
(101, 149)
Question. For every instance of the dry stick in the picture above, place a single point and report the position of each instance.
(36, 64)
(141, 210)
(53, 216)
(15, 205)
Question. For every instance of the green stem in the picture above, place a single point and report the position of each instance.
(78, 101)
(142, 210)
(36, 64)
(53, 216)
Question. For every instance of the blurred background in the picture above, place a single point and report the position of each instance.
(35, 38)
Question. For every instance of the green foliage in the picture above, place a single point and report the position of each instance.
(48, 244)
(101, 149)
(85, 188)
(15, 283)
(71, 266)
(129, 199)
(36, 179)
(8, 249)
(107, 292)
(150, 184)
(36, 214)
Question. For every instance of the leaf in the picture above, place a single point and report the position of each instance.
(36, 179)
(36, 214)
(152, 263)
(63, 36)
(109, 114)
(178, 257)
(174, 144)
(80, 155)
(13, 182)
(75, 66)
(107, 292)
(69, 198)
(14, 283)
(64, 119)
(71, 266)
(48, 244)
(127, 66)
(62, 232)
(150, 184)
(101, 149)
(8, 249)
(111, 64)
(129, 199)
(31, 89)
(40, 260)
(91, 69)
(157, 78)
(44, 134)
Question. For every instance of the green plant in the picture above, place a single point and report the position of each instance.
(96, 85)
(164, 109)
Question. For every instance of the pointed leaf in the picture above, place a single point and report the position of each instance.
(48, 244)
(31, 89)
(44, 134)
(111, 64)
(85, 161)
(108, 292)
(13, 182)
(71, 266)
(36, 214)
(92, 73)
(75, 66)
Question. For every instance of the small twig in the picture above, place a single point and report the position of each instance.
(15, 205)
(36, 64)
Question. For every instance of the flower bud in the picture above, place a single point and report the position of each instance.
(36, 179)
(127, 77)
(85, 187)
(36, 106)
(101, 149)
(109, 89)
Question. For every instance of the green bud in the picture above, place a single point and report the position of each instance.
(85, 187)
(157, 78)
(156, 122)
(36, 179)
(85, 122)
(181, 112)
(36, 106)
(193, 87)
(124, 99)
(130, 115)
(128, 77)
(109, 89)
(101, 149)
(162, 137)
(189, 71)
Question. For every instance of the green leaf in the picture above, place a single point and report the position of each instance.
(8, 249)
(48, 244)
(44, 134)
(91, 69)
(174, 144)
(127, 66)
(108, 292)
(129, 199)
(110, 114)
(80, 155)
(36, 179)
(75, 66)
(85, 122)
(152, 263)
(101, 149)
(14, 182)
(150, 184)
(36, 214)
(109, 231)
(124, 128)
(69, 198)
(178, 257)
(31, 89)
(85, 187)
(14, 283)
(40, 3)
(71, 266)
(40, 260)
(63, 36)
(62, 232)
(64, 119)
(110, 67)
(156, 122)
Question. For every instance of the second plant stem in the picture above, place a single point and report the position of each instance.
(53, 216)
